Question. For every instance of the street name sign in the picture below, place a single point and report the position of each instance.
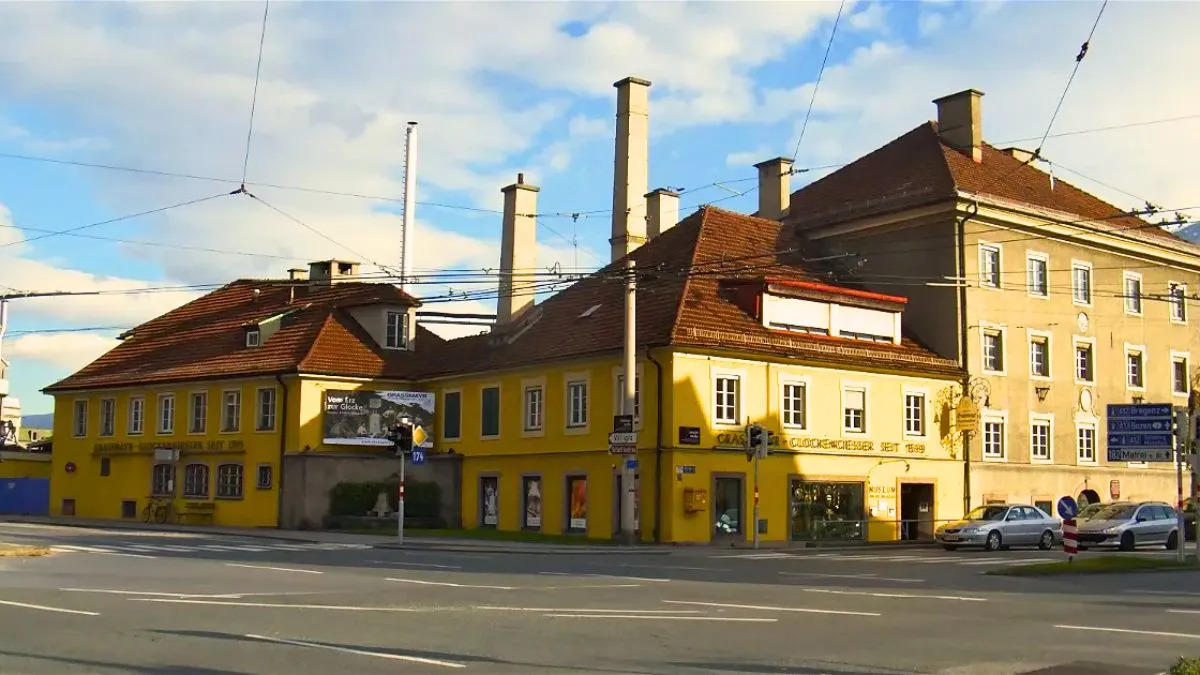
(1140, 432)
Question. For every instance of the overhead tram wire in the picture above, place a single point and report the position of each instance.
(820, 74)
(262, 40)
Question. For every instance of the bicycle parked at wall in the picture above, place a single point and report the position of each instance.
(157, 510)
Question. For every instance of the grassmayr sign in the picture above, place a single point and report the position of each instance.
(732, 439)
(364, 417)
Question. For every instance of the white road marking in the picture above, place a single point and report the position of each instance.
(1183, 611)
(1008, 561)
(586, 611)
(769, 608)
(156, 594)
(660, 617)
(867, 577)
(275, 605)
(450, 585)
(48, 609)
(360, 652)
(274, 569)
(1155, 633)
(602, 576)
(873, 594)
(676, 567)
(97, 549)
(570, 588)
(415, 564)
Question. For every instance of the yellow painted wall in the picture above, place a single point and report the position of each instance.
(892, 457)
(131, 456)
(556, 449)
(24, 465)
(305, 429)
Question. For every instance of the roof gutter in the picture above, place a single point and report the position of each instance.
(283, 422)
(964, 344)
(658, 446)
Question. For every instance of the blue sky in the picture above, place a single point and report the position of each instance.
(499, 88)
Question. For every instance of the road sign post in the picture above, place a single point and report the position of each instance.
(1068, 508)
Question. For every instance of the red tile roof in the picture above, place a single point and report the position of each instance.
(205, 338)
(693, 285)
(918, 169)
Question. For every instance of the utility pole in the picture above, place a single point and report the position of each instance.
(410, 205)
(401, 435)
(629, 473)
(1183, 426)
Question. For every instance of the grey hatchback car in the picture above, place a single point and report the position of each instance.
(1131, 524)
(997, 526)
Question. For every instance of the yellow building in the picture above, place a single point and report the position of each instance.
(1057, 302)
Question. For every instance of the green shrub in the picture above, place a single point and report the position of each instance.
(421, 499)
(1185, 666)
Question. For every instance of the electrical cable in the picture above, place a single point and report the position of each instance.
(817, 85)
(262, 39)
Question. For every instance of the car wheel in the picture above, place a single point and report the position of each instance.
(1047, 541)
(950, 547)
(1173, 541)
(1127, 542)
(993, 541)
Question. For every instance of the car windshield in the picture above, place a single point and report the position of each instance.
(1090, 510)
(1116, 512)
(987, 513)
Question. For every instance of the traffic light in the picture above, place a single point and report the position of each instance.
(756, 435)
(771, 443)
(401, 436)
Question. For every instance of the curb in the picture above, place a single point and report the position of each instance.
(450, 548)
(117, 525)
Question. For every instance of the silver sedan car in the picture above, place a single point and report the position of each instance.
(1131, 524)
(997, 526)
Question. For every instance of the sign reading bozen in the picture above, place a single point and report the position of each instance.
(738, 440)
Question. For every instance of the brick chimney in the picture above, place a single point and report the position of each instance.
(960, 122)
(774, 188)
(518, 250)
(631, 166)
(662, 211)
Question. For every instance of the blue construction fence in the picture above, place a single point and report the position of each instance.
(25, 496)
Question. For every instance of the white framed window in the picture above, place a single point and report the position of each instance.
(992, 339)
(1085, 442)
(1081, 283)
(1177, 298)
(264, 410)
(1085, 360)
(108, 416)
(162, 480)
(198, 423)
(989, 265)
(166, 413)
(793, 397)
(253, 338)
(1135, 366)
(535, 399)
(79, 423)
(726, 398)
(231, 411)
(137, 415)
(195, 480)
(1181, 381)
(230, 478)
(995, 447)
(1131, 290)
(1041, 438)
(1039, 354)
(395, 330)
(1037, 274)
(577, 402)
(914, 413)
(854, 409)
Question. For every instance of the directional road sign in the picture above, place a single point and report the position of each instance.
(1140, 432)
(1067, 507)
(418, 456)
(622, 438)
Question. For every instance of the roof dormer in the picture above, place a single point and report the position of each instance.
(820, 309)
(390, 325)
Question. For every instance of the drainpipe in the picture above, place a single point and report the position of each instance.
(283, 421)
(658, 447)
(964, 344)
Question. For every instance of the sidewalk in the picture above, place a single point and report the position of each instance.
(444, 544)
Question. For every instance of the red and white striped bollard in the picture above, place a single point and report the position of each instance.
(1070, 538)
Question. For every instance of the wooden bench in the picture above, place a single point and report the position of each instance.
(199, 510)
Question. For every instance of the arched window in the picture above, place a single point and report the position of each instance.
(160, 479)
(229, 481)
(195, 480)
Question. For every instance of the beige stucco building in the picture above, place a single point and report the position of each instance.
(1057, 302)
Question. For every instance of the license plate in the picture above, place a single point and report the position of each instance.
(950, 538)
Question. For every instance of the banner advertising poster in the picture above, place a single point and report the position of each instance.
(364, 417)
(489, 500)
(577, 493)
(532, 489)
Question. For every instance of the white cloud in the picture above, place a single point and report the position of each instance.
(741, 160)
(874, 17)
(66, 351)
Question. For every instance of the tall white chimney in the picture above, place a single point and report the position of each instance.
(774, 188)
(631, 166)
(518, 250)
(960, 122)
(662, 211)
(407, 244)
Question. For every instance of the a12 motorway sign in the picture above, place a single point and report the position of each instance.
(1140, 432)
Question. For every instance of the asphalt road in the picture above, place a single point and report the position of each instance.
(155, 603)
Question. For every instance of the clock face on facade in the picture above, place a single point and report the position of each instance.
(1082, 320)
